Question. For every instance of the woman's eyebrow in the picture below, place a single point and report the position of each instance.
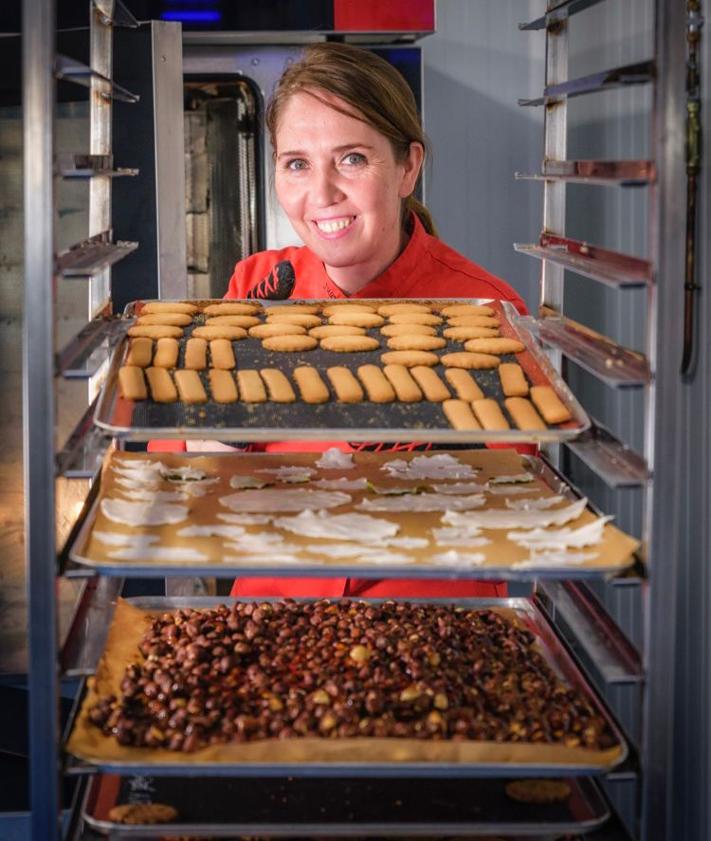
(290, 153)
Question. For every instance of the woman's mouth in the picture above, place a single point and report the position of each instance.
(333, 228)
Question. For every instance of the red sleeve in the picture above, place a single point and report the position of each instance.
(237, 285)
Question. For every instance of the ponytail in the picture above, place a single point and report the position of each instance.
(416, 206)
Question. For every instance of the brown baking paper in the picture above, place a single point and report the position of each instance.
(614, 553)
(87, 742)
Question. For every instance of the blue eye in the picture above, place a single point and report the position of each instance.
(354, 159)
(296, 165)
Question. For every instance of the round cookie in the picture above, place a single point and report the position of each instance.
(233, 320)
(357, 319)
(231, 308)
(415, 318)
(325, 330)
(156, 331)
(168, 306)
(304, 319)
(412, 342)
(290, 344)
(408, 330)
(470, 360)
(454, 310)
(220, 331)
(174, 319)
(409, 358)
(537, 791)
(332, 309)
(404, 307)
(142, 813)
(349, 344)
(494, 346)
(276, 328)
(461, 334)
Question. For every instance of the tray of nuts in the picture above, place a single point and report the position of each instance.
(359, 370)
(339, 688)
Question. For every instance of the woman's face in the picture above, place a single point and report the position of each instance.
(339, 183)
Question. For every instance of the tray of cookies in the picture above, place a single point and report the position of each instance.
(359, 370)
(467, 513)
(341, 687)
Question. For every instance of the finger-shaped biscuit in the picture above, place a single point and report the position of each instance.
(409, 358)
(232, 308)
(413, 342)
(279, 387)
(131, 383)
(222, 385)
(464, 384)
(523, 413)
(221, 354)
(190, 387)
(311, 387)
(250, 386)
(408, 330)
(459, 414)
(140, 352)
(142, 813)
(169, 306)
(494, 346)
(461, 334)
(177, 319)
(406, 388)
(220, 331)
(244, 321)
(345, 385)
(357, 319)
(350, 344)
(166, 355)
(404, 307)
(455, 310)
(513, 380)
(432, 386)
(489, 414)
(549, 404)
(326, 330)
(303, 318)
(280, 309)
(195, 354)
(470, 360)
(161, 384)
(290, 344)
(155, 331)
(331, 309)
(474, 321)
(267, 331)
(415, 318)
(376, 384)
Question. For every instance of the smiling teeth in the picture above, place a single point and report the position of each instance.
(332, 227)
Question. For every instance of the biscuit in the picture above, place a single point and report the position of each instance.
(513, 380)
(349, 344)
(474, 321)
(464, 384)
(326, 330)
(245, 321)
(494, 346)
(454, 310)
(278, 386)
(332, 309)
(376, 384)
(489, 414)
(131, 383)
(406, 388)
(156, 331)
(537, 791)
(267, 331)
(140, 352)
(404, 307)
(232, 308)
(290, 344)
(415, 318)
(523, 413)
(408, 330)
(220, 331)
(459, 414)
(414, 342)
(409, 358)
(190, 387)
(549, 404)
(222, 385)
(357, 319)
(278, 309)
(302, 318)
(161, 384)
(166, 355)
(168, 306)
(432, 386)
(461, 334)
(142, 813)
(221, 354)
(177, 319)
(195, 354)
(345, 385)
(251, 388)
(470, 360)
(311, 387)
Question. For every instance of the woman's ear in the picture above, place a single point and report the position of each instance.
(412, 166)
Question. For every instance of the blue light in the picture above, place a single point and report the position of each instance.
(187, 16)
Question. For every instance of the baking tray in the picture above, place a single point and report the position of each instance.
(526, 612)
(615, 556)
(366, 421)
(219, 807)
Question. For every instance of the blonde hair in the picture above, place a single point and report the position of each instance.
(374, 90)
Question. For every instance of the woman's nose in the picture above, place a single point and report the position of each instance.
(325, 187)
